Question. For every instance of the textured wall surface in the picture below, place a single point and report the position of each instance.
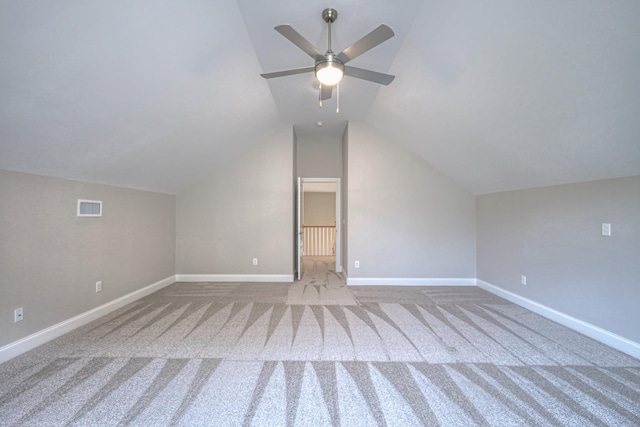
(50, 259)
(553, 236)
(319, 157)
(406, 219)
(240, 212)
(319, 209)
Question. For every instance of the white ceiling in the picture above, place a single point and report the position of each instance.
(498, 95)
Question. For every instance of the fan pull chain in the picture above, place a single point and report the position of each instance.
(338, 98)
(320, 95)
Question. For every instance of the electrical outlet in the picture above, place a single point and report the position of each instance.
(255, 261)
(357, 264)
(18, 314)
(99, 286)
(523, 280)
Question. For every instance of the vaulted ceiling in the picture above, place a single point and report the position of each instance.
(498, 95)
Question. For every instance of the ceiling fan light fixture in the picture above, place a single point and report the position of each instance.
(329, 72)
(330, 68)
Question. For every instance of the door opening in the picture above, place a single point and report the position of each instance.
(318, 220)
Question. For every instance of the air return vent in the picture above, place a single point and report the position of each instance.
(89, 208)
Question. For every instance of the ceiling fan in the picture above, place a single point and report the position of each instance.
(329, 68)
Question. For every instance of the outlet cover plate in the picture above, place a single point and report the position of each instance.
(18, 315)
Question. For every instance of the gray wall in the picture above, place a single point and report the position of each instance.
(553, 236)
(319, 157)
(344, 203)
(319, 209)
(406, 219)
(50, 259)
(240, 212)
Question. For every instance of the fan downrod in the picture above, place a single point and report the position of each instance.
(329, 15)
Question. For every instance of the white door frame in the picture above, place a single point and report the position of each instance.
(299, 242)
(301, 182)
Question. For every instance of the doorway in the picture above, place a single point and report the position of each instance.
(318, 224)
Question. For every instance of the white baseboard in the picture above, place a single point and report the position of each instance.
(390, 281)
(32, 341)
(288, 278)
(616, 341)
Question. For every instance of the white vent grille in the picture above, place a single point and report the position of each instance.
(89, 208)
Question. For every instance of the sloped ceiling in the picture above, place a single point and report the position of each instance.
(504, 95)
(498, 95)
(148, 95)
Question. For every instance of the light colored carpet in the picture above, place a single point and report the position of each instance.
(318, 353)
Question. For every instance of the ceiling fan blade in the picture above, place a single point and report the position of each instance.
(294, 37)
(368, 42)
(372, 76)
(325, 92)
(288, 72)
